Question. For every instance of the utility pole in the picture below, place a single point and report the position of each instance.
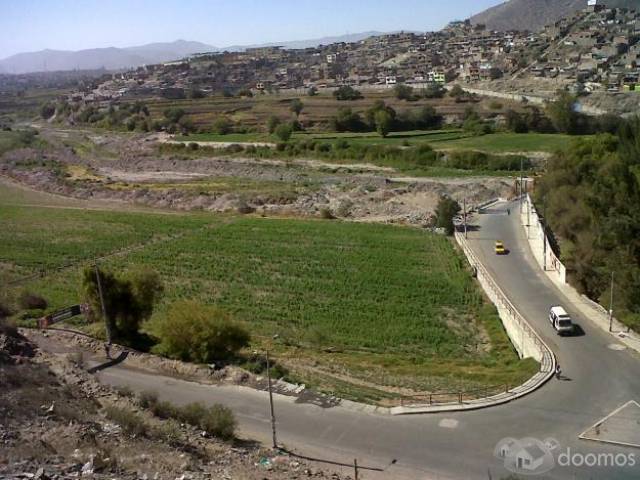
(611, 305)
(543, 224)
(107, 326)
(273, 416)
(465, 218)
(521, 183)
(355, 467)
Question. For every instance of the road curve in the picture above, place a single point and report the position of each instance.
(453, 445)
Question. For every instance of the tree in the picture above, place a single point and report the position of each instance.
(47, 110)
(563, 114)
(347, 93)
(272, 124)
(222, 126)
(129, 299)
(196, 93)
(174, 115)
(284, 132)
(433, 91)
(383, 122)
(456, 92)
(378, 105)
(404, 92)
(296, 106)
(200, 333)
(427, 118)
(446, 210)
(312, 92)
(346, 120)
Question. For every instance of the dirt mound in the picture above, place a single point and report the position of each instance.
(13, 346)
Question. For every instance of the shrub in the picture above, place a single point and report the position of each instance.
(222, 126)
(326, 213)
(169, 432)
(495, 105)
(147, 398)
(129, 298)
(200, 333)
(129, 421)
(447, 209)
(272, 124)
(31, 301)
(193, 146)
(219, 421)
(347, 93)
(164, 410)
(284, 132)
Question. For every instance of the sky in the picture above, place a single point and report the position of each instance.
(31, 25)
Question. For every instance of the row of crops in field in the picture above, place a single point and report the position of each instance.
(349, 285)
(396, 303)
(35, 238)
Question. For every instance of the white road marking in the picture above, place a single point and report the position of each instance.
(448, 423)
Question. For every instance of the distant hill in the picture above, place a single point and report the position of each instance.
(534, 14)
(113, 58)
(349, 38)
(110, 58)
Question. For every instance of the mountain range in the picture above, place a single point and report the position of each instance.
(112, 58)
(533, 15)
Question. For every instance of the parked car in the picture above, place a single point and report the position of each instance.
(561, 321)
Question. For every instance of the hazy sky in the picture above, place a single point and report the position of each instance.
(29, 25)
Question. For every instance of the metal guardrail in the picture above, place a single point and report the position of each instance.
(505, 302)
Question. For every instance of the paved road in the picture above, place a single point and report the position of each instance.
(455, 445)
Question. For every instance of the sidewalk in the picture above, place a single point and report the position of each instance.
(596, 313)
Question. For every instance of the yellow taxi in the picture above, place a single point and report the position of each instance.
(499, 248)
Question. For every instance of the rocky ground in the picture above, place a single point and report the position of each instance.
(130, 169)
(55, 424)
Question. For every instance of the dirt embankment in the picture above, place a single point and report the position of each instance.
(57, 422)
(130, 171)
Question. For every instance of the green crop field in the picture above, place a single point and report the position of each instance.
(389, 306)
(450, 139)
(510, 142)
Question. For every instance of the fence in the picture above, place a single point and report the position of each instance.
(525, 340)
(540, 246)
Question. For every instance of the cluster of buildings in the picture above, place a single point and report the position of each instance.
(597, 48)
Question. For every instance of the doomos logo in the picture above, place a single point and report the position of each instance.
(526, 456)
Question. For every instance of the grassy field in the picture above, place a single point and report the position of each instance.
(450, 139)
(380, 304)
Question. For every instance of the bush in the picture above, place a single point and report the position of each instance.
(219, 421)
(272, 124)
(222, 126)
(200, 333)
(495, 105)
(447, 209)
(169, 432)
(129, 421)
(404, 92)
(164, 410)
(326, 213)
(284, 132)
(347, 93)
(129, 299)
(31, 301)
(147, 398)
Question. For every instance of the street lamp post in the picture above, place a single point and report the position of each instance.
(273, 417)
(611, 305)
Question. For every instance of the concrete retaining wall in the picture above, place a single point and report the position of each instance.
(540, 246)
(525, 340)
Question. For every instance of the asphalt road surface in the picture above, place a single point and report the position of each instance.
(597, 380)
